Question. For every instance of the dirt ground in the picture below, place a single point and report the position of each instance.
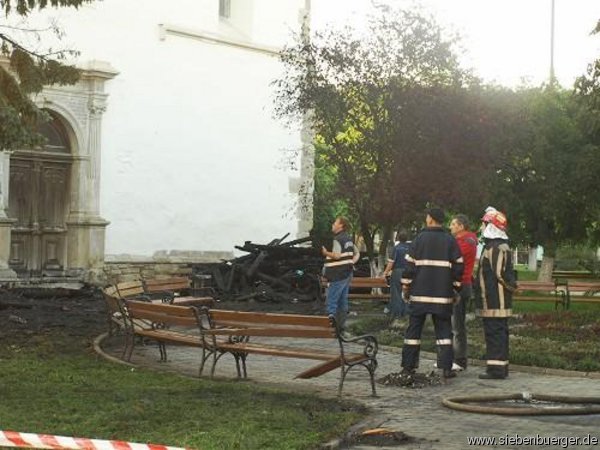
(82, 313)
(25, 312)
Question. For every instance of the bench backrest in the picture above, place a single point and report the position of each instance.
(113, 303)
(129, 289)
(583, 285)
(185, 316)
(239, 323)
(536, 285)
(173, 284)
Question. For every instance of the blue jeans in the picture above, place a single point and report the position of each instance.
(337, 299)
(398, 307)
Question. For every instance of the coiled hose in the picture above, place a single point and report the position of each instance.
(588, 405)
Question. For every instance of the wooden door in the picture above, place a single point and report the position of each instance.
(39, 201)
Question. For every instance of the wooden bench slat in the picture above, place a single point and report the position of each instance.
(250, 324)
(583, 286)
(172, 337)
(193, 301)
(220, 315)
(534, 298)
(161, 313)
(168, 284)
(328, 366)
(130, 289)
(272, 331)
(287, 352)
(368, 282)
(162, 307)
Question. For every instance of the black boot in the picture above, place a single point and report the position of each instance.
(462, 362)
(449, 373)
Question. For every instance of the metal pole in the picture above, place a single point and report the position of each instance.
(552, 76)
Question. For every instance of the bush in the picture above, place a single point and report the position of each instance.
(577, 257)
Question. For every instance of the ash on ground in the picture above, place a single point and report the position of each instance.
(391, 439)
(415, 381)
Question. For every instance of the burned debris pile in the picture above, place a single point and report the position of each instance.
(276, 272)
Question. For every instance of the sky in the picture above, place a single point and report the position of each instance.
(506, 42)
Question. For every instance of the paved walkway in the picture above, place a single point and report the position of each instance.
(417, 412)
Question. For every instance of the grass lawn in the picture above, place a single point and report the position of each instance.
(539, 335)
(55, 384)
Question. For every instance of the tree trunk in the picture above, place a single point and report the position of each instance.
(532, 261)
(547, 262)
(386, 235)
(369, 244)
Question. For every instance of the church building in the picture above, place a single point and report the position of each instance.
(166, 151)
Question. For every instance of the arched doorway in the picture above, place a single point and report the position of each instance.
(39, 201)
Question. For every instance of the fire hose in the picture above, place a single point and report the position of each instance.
(586, 405)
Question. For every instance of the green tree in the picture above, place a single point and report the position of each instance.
(587, 90)
(545, 179)
(27, 72)
(363, 93)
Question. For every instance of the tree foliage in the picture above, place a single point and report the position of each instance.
(27, 71)
(544, 165)
(392, 115)
(587, 91)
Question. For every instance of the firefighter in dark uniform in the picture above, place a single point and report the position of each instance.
(494, 286)
(432, 276)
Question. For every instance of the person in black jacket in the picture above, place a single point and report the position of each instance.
(494, 286)
(430, 281)
(338, 269)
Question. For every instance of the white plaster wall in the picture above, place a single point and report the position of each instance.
(191, 156)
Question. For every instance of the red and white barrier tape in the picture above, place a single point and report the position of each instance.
(31, 440)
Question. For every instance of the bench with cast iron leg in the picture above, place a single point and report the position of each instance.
(550, 290)
(168, 324)
(178, 291)
(236, 328)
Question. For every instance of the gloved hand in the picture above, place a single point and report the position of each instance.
(406, 294)
(456, 299)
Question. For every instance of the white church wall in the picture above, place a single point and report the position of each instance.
(191, 155)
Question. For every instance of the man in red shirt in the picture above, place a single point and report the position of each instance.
(467, 242)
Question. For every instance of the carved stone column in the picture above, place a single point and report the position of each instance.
(96, 107)
(5, 222)
(86, 228)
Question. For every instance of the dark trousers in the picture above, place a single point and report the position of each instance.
(412, 340)
(398, 307)
(459, 328)
(496, 343)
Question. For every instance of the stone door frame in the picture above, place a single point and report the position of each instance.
(81, 108)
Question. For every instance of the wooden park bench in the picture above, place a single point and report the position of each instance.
(178, 291)
(367, 283)
(118, 319)
(131, 289)
(550, 290)
(165, 324)
(585, 292)
(114, 312)
(174, 290)
(229, 332)
(373, 283)
(573, 274)
(560, 291)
